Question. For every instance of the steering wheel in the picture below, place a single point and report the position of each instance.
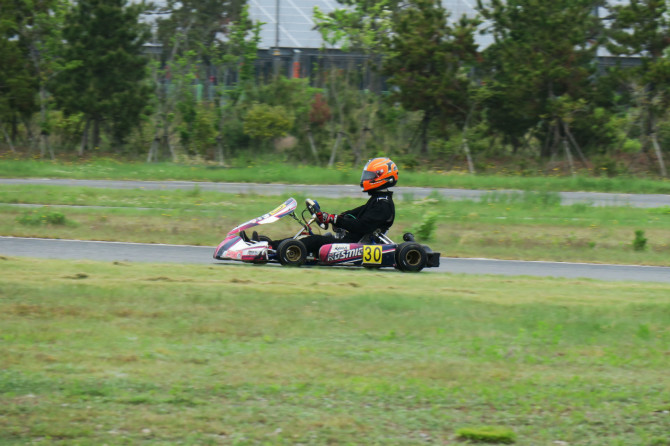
(313, 208)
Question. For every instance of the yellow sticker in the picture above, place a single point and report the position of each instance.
(372, 254)
(278, 209)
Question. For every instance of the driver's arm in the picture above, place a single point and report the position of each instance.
(353, 212)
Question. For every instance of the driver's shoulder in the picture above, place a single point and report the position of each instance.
(383, 200)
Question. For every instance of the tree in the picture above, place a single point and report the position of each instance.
(197, 25)
(39, 26)
(295, 97)
(540, 65)
(428, 61)
(200, 22)
(218, 36)
(239, 50)
(105, 74)
(642, 28)
(236, 55)
(360, 27)
(18, 83)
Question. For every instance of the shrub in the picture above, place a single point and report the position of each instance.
(487, 434)
(203, 137)
(236, 140)
(35, 218)
(265, 122)
(605, 165)
(65, 129)
(631, 146)
(408, 162)
(426, 227)
(319, 112)
(640, 241)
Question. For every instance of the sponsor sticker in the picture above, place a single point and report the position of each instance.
(253, 252)
(278, 209)
(341, 253)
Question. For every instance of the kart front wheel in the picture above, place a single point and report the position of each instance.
(292, 252)
(410, 257)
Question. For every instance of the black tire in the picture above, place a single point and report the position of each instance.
(410, 257)
(292, 252)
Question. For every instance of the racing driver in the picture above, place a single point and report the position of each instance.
(379, 174)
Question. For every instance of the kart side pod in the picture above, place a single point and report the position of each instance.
(357, 254)
(408, 256)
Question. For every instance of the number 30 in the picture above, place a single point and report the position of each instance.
(372, 254)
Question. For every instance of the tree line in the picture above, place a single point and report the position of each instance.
(76, 77)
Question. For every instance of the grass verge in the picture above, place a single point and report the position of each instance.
(274, 172)
(117, 353)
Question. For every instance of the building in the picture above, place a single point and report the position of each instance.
(291, 45)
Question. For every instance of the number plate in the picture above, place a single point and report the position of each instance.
(372, 254)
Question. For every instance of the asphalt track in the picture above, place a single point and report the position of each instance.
(337, 191)
(139, 252)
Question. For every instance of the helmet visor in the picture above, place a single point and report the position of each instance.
(367, 175)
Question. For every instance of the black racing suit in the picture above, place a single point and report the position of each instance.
(377, 213)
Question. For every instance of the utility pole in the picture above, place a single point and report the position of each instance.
(276, 53)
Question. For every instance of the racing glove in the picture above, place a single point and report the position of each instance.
(325, 218)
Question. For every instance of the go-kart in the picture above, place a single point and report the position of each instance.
(373, 251)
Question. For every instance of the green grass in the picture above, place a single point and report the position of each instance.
(114, 353)
(487, 434)
(531, 226)
(275, 172)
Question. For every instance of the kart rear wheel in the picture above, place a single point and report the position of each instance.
(410, 257)
(292, 252)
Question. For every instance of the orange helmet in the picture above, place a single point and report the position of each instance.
(379, 173)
